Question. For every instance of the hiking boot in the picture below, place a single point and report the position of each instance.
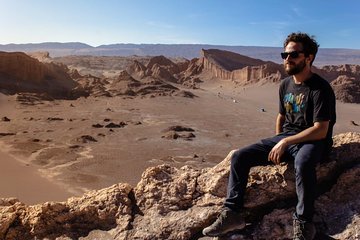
(226, 222)
(303, 230)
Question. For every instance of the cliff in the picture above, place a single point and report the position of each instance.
(171, 203)
(21, 73)
(241, 69)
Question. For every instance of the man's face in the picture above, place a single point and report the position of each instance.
(294, 65)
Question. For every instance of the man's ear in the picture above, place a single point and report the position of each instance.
(310, 58)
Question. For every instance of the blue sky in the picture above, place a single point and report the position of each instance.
(335, 23)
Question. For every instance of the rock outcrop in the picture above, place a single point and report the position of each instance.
(104, 210)
(347, 89)
(345, 80)
(158, 67)
(127, 86)
(171, 203)
(137, 69)
(332, 72)
(155, 78)
(41, 56)
(21, 73)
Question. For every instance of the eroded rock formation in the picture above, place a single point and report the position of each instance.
(345, 80)
(153, 79)
(171, 203)
(241, 69)
(21, 73)
(347, 89)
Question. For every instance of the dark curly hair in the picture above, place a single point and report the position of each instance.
(310, 46)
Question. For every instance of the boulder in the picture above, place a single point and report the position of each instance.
(104, 209)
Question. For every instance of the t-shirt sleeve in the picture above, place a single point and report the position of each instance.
(321, 106)
(282, 110)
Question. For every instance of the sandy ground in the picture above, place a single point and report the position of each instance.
(25, 182)
(59, 151)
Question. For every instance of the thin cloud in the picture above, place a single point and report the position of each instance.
(160, 25)
(172, 39)
(297, 12)
(345, 33)
(276, 24)
(195, 16)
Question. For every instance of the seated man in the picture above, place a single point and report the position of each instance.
(304, 129)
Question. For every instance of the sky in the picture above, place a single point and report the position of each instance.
(334, 23)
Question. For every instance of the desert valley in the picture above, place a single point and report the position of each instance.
(147, 125)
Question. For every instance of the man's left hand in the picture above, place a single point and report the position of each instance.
(277, 151)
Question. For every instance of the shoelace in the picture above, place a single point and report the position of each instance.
(298, 229)
(220, 219)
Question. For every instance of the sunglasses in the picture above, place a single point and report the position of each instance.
(294, 54)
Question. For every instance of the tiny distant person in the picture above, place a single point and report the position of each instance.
(304, 128)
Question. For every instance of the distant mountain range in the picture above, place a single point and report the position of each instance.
(326, 56)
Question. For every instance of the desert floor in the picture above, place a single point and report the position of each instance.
(51, 150)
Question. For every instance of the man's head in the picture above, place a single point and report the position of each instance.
(300, 51)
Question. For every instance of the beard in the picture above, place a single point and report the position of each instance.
(292, 69)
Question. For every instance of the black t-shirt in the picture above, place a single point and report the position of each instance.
(306, 103)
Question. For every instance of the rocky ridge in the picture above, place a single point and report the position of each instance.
(157, 77)
(172, 203)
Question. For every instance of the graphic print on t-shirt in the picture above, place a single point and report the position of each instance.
(294, 103)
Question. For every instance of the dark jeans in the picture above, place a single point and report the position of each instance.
(305, 157)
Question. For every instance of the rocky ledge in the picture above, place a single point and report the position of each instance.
(171, 203)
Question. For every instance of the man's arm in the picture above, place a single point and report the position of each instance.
(279, 123)
(316, 132)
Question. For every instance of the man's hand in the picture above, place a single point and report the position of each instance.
(277, 151)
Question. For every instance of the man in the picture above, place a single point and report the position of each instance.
(304, 129)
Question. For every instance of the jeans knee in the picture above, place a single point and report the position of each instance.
(299, 167)
(234, 158)
(304, 167)
(237, 157)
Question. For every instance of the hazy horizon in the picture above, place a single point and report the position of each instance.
(170, 44)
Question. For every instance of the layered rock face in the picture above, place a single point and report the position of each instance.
(21, 67)
(241, 69)
(171, 203)
(21, 73)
